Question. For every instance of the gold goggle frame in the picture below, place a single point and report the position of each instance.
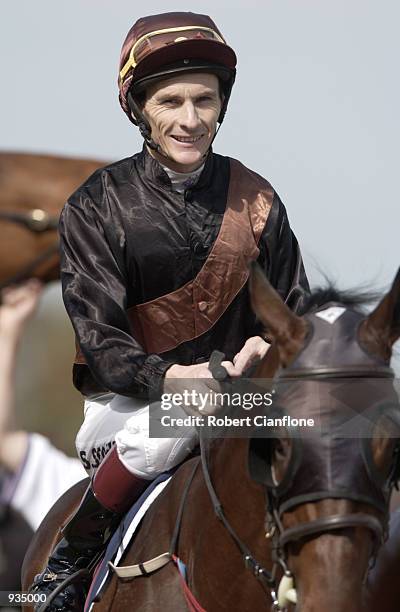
(131, 62)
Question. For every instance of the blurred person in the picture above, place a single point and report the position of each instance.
(33, 473)
(155, 254)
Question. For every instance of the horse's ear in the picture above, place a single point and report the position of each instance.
(383, 324)
(285, 327)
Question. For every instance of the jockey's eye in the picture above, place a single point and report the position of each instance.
(170, 101)
(205, 98)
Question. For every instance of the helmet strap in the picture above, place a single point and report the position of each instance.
(144, 126)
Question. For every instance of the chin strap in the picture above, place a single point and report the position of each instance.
(145, 130)
(144, 127)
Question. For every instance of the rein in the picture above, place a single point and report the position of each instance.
(281, 593)
(266, 578)
(37, 221)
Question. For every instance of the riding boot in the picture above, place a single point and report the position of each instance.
(113, 490)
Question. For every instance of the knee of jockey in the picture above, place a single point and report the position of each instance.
(124, 474)
(148, 457)
(114, 486)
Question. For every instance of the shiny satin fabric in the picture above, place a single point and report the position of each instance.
(190, 311)
(128, 238)
(333, 459)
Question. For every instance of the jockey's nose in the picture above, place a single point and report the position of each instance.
(189, 116)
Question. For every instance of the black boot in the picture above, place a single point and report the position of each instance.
(87, 535)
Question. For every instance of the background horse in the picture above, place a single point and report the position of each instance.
(33, 189)
(325, 541)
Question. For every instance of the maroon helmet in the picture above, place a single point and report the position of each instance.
(159, 46)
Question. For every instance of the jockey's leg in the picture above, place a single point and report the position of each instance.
(122, 476)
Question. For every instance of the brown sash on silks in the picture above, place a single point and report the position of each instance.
(188, 312)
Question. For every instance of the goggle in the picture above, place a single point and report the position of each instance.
(141, 47)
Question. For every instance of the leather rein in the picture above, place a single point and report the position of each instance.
(37, 221)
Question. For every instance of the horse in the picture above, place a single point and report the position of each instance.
(264, 521)
(33, 188)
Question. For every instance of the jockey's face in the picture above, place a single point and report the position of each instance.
(183, 112)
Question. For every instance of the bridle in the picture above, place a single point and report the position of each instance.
(37, 221)
(279, 536)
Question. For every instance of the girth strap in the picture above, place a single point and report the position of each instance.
(152, 565)
(141, 569)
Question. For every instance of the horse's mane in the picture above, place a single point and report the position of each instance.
(357, 299)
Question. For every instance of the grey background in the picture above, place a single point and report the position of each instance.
(315, 109)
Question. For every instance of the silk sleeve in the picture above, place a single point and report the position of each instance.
(281, 258)
(94, 284)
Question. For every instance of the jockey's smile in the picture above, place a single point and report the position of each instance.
(183, 112)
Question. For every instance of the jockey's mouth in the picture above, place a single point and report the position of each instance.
(187, 139)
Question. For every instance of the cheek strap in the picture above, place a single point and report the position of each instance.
(143, 125)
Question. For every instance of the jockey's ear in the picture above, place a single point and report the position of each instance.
(382, 327)
(286, 328)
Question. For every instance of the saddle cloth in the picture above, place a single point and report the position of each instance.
(124, 534)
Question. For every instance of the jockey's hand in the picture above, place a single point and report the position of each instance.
(196, 381)
(17, 307)
(254, 351)
(198, 370)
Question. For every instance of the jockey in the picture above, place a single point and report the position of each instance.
(155, 253)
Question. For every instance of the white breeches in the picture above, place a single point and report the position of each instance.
(110, 419)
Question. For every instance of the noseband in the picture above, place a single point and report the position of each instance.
(37, 221)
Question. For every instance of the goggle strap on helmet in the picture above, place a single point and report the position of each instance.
(132, 63)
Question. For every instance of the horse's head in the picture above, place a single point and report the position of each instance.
(329, 486)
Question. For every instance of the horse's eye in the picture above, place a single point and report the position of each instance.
(280, 458)
(278, 449)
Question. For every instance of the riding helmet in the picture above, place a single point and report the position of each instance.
(163, 45)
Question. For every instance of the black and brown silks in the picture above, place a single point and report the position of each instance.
(329, 564)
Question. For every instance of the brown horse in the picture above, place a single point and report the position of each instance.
(33, 189)
(319, 508)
